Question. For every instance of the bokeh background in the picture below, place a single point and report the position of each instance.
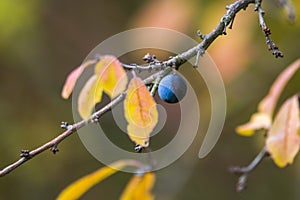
(42, 41)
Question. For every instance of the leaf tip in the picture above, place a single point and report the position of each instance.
(258, 121)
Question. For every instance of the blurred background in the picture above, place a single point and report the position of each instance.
(42, 41)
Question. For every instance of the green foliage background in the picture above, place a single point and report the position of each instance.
(42, 41)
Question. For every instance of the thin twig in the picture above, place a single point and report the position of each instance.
(156, 83)
(27, 155)
(243, 172)
(151, 66)
(200, 35)
(200, 52)
(174, 62)
(219, 30)
(267, 32)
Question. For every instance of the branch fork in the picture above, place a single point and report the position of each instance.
(165, 67)
(243, 172)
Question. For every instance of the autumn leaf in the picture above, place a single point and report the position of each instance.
(90, 94)
(283, 141)
(139, 187)
(258, 121)
(268, 104)
(72, 78)
(140, 112)
(262, 119)
(109, 77)
(82, 185)
(113, 78)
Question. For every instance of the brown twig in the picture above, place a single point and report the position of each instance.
(243, 172)
(219, 30)
(173, 62)
(267, 32)
(27, 155)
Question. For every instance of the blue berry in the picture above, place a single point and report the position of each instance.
(172, 88)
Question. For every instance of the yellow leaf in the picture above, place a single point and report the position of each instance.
(72, 78)
(79, 187)
(257, 121)
(113, 78)
(283, 141)
(90, 94)
(262, 119)
(139, 188)
(140, 112)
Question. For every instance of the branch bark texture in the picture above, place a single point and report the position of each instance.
(165, 66)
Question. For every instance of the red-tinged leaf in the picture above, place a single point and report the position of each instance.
(140, 112)
(283, 141)
(82, 185)
(72, 78)
(113, 78)
(139, 188)
(90, 94)
(262, 119)
(267, 105)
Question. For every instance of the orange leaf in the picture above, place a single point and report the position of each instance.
(283, 141)
(90, 94)
(262, 119)
(140, 112)
(268, 104)
(82, 185)
(113, 77)
(72, 78)
(139, 187)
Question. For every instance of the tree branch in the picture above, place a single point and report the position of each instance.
(165, 66)
(207, 39)
(267, 32)
(52, 145)
(243, 172)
